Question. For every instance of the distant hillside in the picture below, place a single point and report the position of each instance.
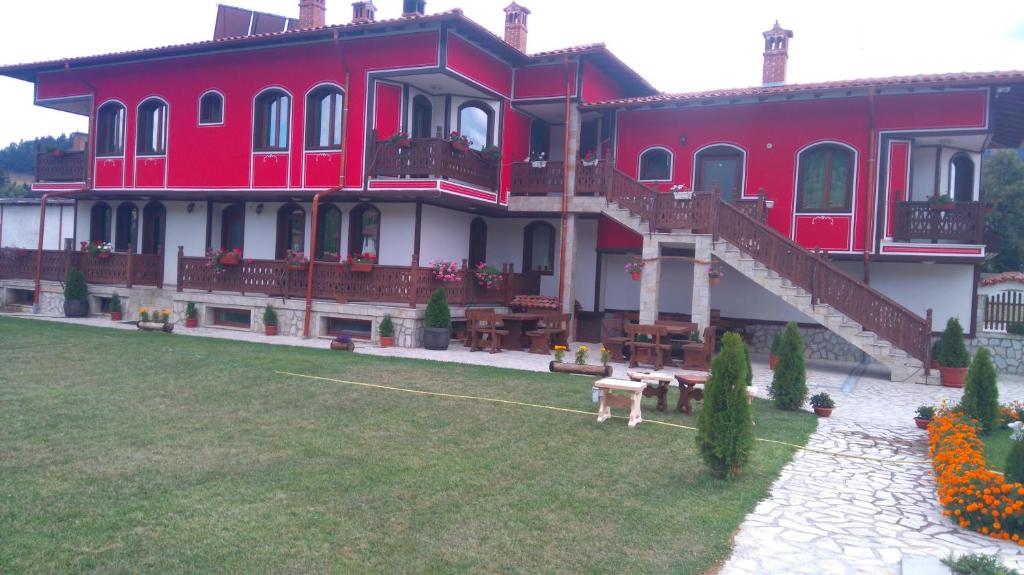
(20, 157)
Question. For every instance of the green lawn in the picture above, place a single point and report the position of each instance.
(126, 452)
(997, 449)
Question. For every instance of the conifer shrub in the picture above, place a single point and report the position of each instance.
(1015, 462)
(981, 394)
(115, 302)
(952, 351)
(789, 380)
(75, 288)
(387, 327)
(724, 427)
(269, 315)
(438, 315)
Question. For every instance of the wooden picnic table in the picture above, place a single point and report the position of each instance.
(517, 324)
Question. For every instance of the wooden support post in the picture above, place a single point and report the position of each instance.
(509, 278)
(160, 268)
(467, 283)
(414, 269)
(928, 347)
(131, 265)
(181, 254)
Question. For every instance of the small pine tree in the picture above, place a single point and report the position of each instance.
(724, 428)
(75, 288)
(750, 369)
(981, 393)
(789, 381)
(1015, 462)
(269, 315)
(115, 302)
(438, 315)
(952, 351)
(387, 327)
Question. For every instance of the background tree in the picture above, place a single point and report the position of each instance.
(1003, 188)
(724, 429)
(789, 380)
(981, 394)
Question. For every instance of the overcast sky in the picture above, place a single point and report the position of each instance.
(677, 46)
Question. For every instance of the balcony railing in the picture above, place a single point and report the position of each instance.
(126, 269)
(433, 158)
(60, 167)
(964, 222)
(410, 285)
(546, 178)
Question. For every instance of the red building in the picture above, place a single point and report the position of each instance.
(227, 144)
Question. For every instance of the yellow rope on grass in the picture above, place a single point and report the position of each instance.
(594, 414)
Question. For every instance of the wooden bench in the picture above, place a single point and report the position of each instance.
(656, 384)
(613, 338)
(645, 344)
(553, 329)
(485, 326)
(634, 391)
(698, 355)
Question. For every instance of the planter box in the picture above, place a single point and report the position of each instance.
(594, 370)
(103, 255)
(297, 267)
(460, 146)
(155, 326)
(360, 268)
(339, 346)
(230, 259)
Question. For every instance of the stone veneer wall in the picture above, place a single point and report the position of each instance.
(1007, 350)
(819, 343)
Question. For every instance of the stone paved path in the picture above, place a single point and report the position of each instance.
(835, 515)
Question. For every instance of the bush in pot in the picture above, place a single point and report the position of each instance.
(76, 295)
(823, 404)
(269, 320)
(387, 331)
(981, 395)
(191, 315)
(437, 321)
(953, 356)
(924, 416)
(116, 313)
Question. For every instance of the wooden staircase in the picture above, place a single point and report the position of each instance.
(870, 321)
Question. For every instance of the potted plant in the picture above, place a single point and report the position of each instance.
(157, 320)
(76, 295)
(270, 320)
(714, 276)
(400, 139)
(488, 276)
(221, 259)
(634, 268)
(437, 322)
(459, 142)
(580, 365)
(773, 355)
(953, 356)
(935, 354)
(445, 271)
(296, 260)
(387, 331)
(115, 307)
(191, 315)
(361, 263)
(100, 249)
(941, 202)
(589, 159)
(331, 257)
(538, 160)
(925, 413)
(491, 153)
(822, 404)
(343, 343)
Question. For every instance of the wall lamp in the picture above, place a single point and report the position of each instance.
(190, 207)
(259, 208)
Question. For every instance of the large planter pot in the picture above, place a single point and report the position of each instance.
(773, 360)
(387, 341)
(922, 423)
(270, 329)
(192, 322)
(593, 370)
(343, 346)
(953, 376)
(116, 316)
(823, 411)
(230, 259)
(436, 338)
(76, 308)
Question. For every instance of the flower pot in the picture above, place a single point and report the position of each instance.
(387, 341)
(949, 206)
(935, 364)
(76, 308)
(155, 326)
(103, 255)
(343, 346)
(773, 360)
(297, 267)
(953, 376)
(361, 267)
(230, 259)
(589, 163)
(922, 423)
(116, 316)
(460, 146)
(191, 322)
(635, 276)
(403, 143)
(581, 369)
(714, 280)
(823, 411)
(436, 338)
(270, 329)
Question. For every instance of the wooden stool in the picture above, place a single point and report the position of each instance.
(690, 387)
(609, 400)
(659, 389)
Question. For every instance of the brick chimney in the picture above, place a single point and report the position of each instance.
(515, 26)
(312, 13)
(363, 12)
(776, 54)
(412, 8)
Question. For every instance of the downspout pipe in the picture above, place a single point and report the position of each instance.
(565, 186)
(316, 199)
(39, 244)
(872, 193)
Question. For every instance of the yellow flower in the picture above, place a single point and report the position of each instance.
(143, 310)
(165, 311)
(584, 348)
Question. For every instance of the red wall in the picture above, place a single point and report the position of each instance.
(479, 66)
(546, 81)
(598, 86)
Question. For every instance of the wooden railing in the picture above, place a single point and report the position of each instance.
(964, 222)
(62, 167)
(118, 268)
(411, 284)
(546, 179)
(433, 158)
(1003, 310)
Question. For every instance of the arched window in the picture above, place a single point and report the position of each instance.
(655, 165)
(422, 116)
(477, 241)
(127, 230)
(99, 223)
(328, 233)
(110, 130)
(539, 248)
(961, 178)
(151, 136)
(825, 179)
(272, 120)
(323, 119)
(211, 108)
(476, 122)
(364, 230)
(154, 227)
(232, 227)
(291, 229)
(720, 167)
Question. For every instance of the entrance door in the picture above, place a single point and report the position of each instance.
(720, 167)
(477, 242)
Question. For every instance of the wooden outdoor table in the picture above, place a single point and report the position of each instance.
(688, 390)
(660, 381)
(608, 399)
(515, 323)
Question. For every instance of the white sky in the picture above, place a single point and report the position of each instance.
(676, 45)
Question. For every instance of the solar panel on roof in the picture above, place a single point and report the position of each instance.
(233, 22)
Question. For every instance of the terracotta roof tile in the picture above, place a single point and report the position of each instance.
(1003, 278)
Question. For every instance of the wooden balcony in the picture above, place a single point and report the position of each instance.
(919, 221)
(546, 178)
(60, 167)
(410, 285)
(123, 269)
(433, 158)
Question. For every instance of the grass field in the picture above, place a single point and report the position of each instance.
(997, 448)
(126, 452)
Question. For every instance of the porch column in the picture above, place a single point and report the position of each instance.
(569, 263)
(700, 306)
(650, 280)
(568, 240)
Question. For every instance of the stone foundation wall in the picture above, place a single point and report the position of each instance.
(819, 343)
(1007, 350)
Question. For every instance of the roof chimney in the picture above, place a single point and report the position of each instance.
(363, 12)
(515, 26)
(312, 13)
(776, 54)
(413, 8)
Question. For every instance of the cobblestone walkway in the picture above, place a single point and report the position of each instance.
(838, 515)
